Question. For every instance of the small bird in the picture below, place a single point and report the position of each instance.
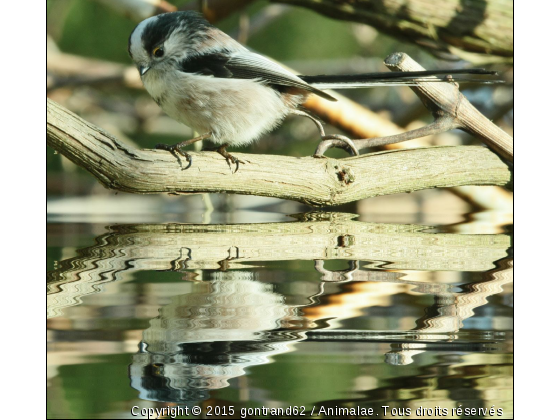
(206, 80)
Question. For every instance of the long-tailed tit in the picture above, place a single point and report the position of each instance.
(203, 78)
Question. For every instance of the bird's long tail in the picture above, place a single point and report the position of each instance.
(406, 78)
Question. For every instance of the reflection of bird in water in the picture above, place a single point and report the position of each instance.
(204, 338)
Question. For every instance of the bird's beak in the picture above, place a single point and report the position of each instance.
(143, 70)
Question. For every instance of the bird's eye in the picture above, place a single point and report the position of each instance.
(158, 52)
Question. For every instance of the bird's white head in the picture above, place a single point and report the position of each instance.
(162, 41)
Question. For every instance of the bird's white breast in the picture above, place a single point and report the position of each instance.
(236, 111)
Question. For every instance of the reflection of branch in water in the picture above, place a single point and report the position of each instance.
(128, 248)
(338, 275)
(368, 288)
(355, 274)
(456, 308)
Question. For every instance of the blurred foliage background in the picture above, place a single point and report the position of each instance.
(305, 40)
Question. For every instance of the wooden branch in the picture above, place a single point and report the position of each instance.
(477, 30)
(360, 122)
(309, 180)
(450, 110)
(446, 97)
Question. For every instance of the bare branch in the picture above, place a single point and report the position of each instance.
(449, 108)
(308, 180)
(185, 246)
(446, 98)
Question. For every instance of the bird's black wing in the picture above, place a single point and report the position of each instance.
(246, 65)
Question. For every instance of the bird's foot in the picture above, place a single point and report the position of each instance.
(329, 140)
(229, 157)
(175, 150)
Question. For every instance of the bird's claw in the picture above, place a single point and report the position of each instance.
(174, 150)
(232, 159)
(229, 157)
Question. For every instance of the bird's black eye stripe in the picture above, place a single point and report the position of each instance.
(159, 30)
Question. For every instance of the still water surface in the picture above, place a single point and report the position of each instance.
(317, 312)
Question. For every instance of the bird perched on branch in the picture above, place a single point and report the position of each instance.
(203, 78)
